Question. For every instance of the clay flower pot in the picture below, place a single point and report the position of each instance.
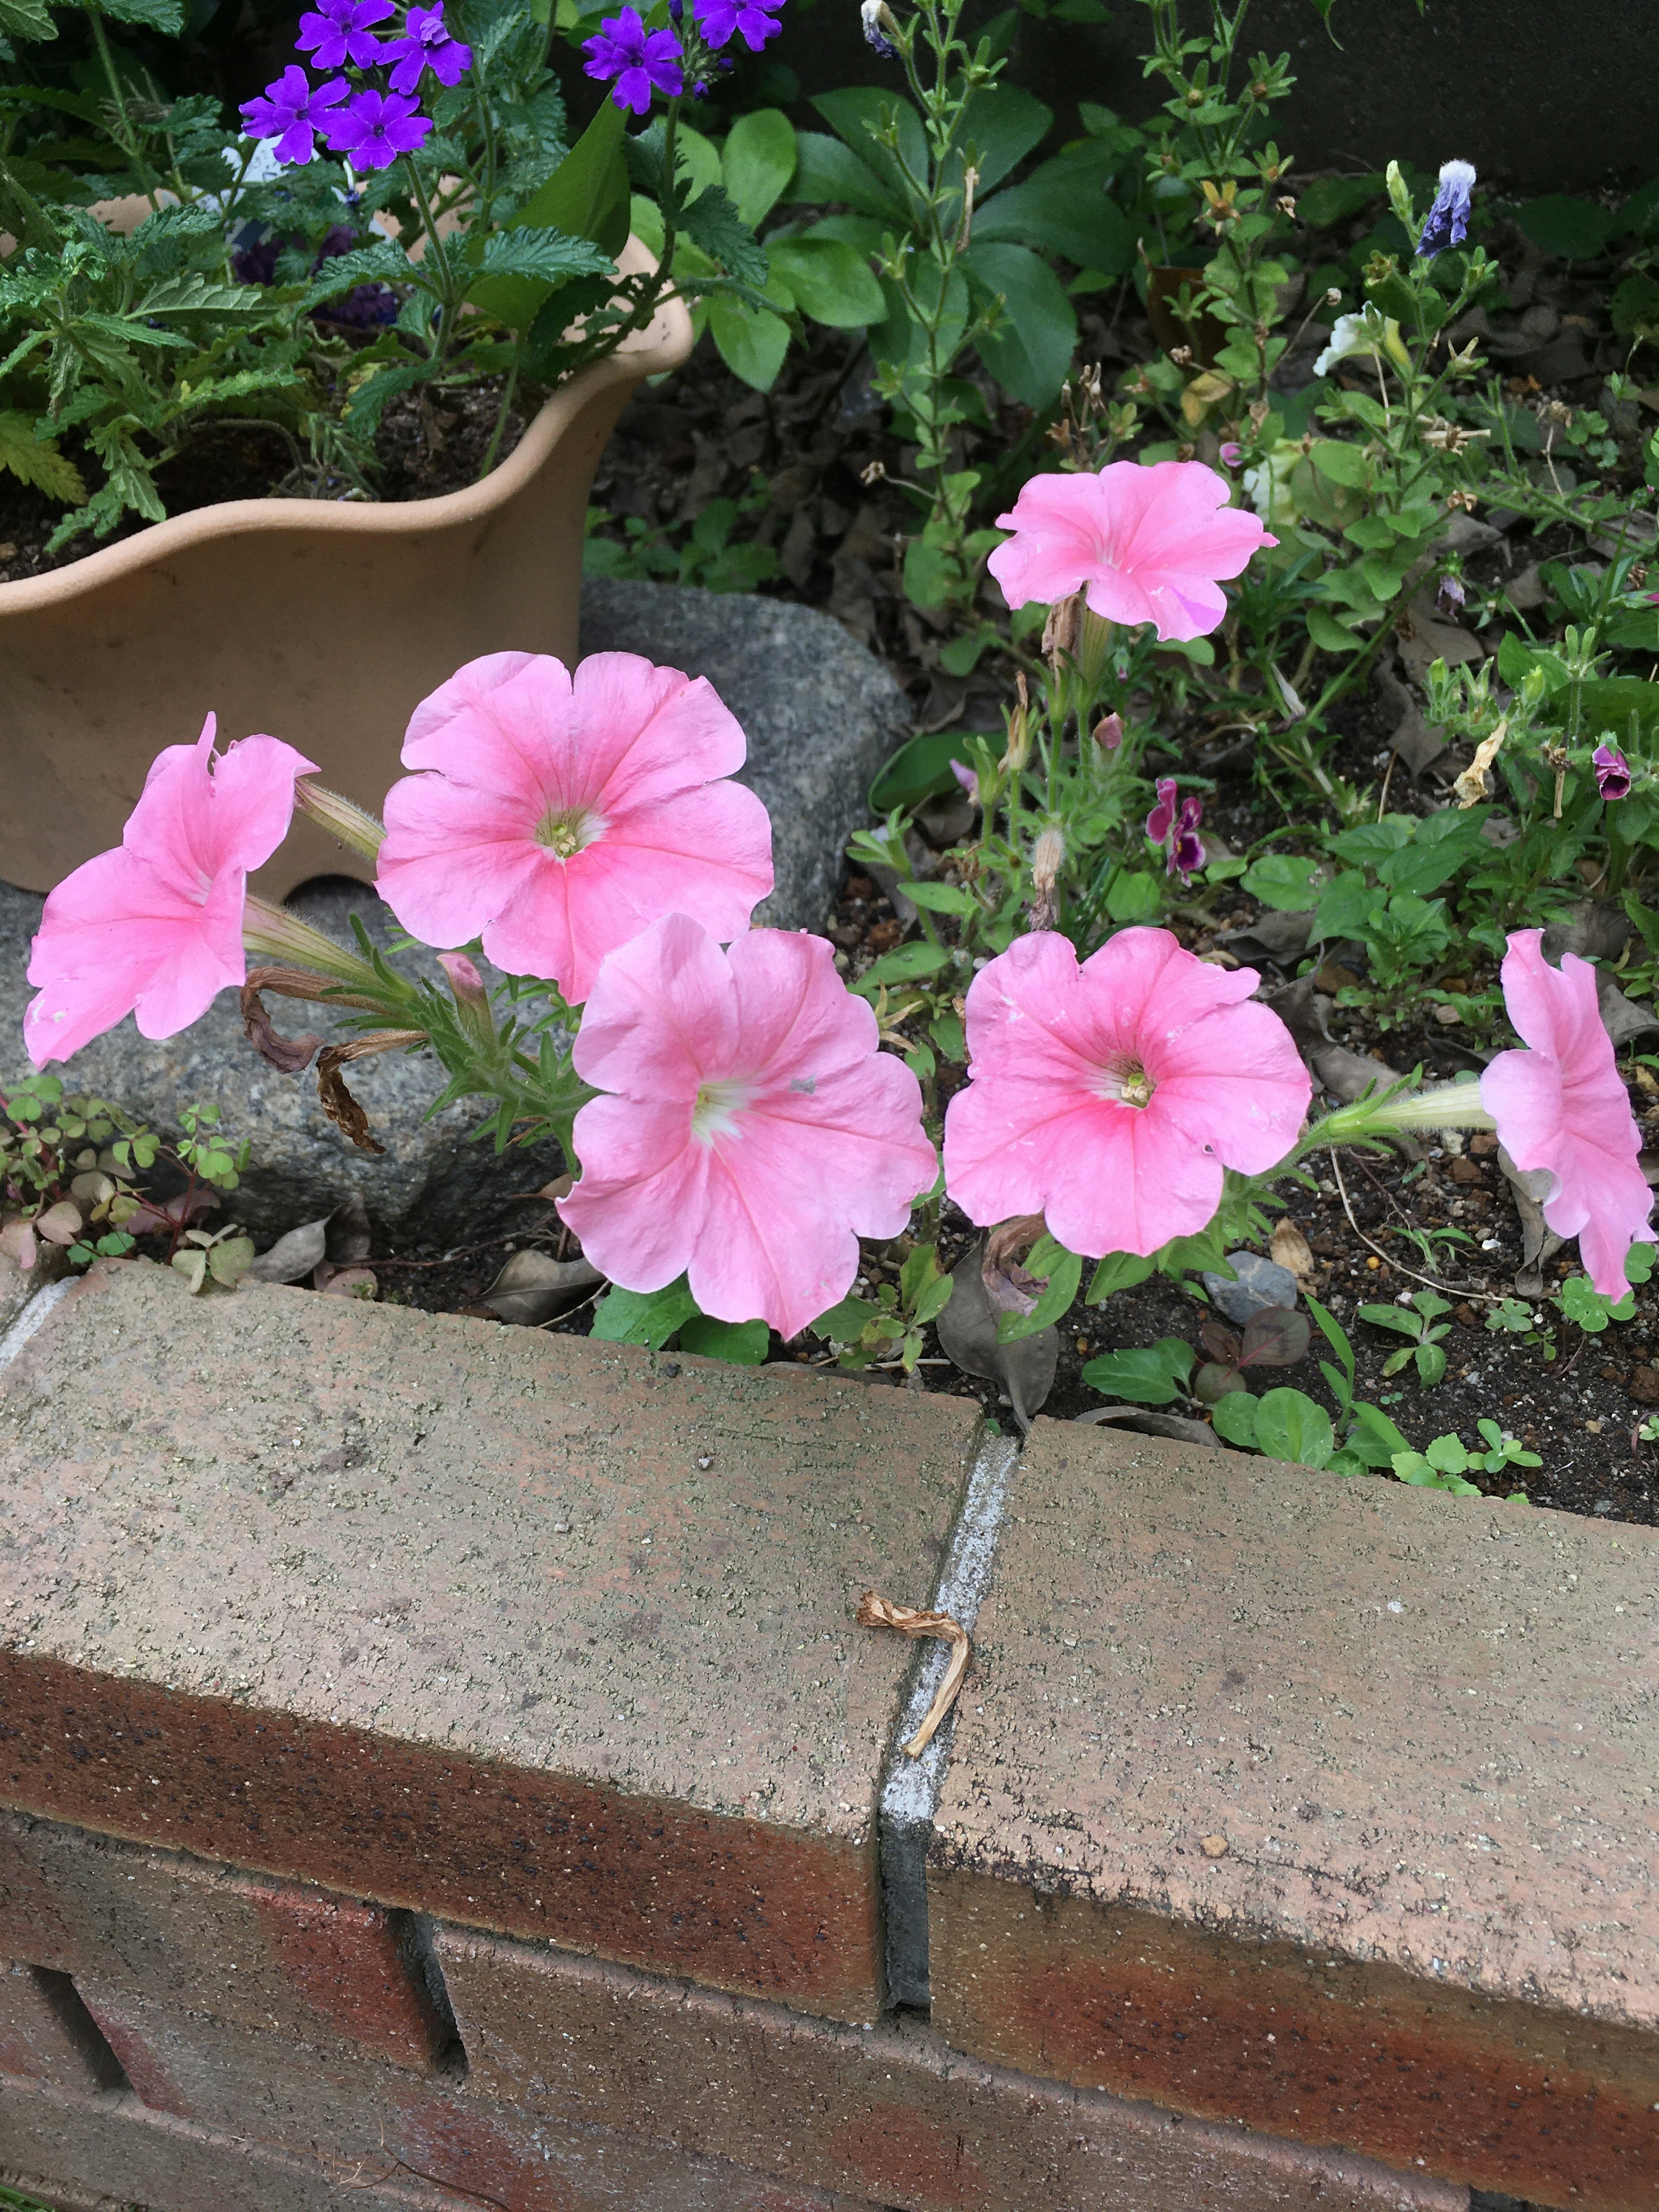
(318, 621)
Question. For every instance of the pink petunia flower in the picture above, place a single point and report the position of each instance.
(1561, 1106)
(155, 928)
(1612, 775)
(758, 1131)
(1110, 1096)
(557, 817)
(1147, 544)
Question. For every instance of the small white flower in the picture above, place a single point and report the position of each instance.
(1362, 333)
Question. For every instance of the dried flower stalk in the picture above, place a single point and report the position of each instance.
(880, 1613)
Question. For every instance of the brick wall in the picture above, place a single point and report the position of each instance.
(438, 1767)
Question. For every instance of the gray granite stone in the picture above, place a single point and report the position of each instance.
(820, 714)
(1261, 1283)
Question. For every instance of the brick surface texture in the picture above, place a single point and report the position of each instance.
(1323, 1805)
(549, 1636)
(44, 2035)
(890, 2113)
(267, 1954)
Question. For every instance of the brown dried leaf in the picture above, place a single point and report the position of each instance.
(337, 1103)
(1289, 1248)
(532, 1288)
(290, 1055)
(345, 1282)
(967, 1335)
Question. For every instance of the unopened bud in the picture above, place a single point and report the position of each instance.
(472, 998)
(1400, 198)
(1060, 632)
(1108, 733)
(345, 822)
(1019, 729)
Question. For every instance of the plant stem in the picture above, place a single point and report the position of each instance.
(128, 140)
(495, 445)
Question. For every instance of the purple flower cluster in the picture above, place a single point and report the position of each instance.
(370, 124)
(1177, 830)
(636, 63)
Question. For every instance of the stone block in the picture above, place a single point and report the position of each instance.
(45, 2036)
(348, 2116)
(549, 1636)
(820, 714)
(270, 1955)
(890, 2112)
(1318, 1804)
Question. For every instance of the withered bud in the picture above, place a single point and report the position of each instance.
(1060, 632)
(872, 472)
(1019, 728)
(1048, 856)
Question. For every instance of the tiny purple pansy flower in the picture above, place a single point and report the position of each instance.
(720, 21)
(1187, 852)
(292, 111)
(1448, 221)
(338, 31)
(425, 45)
(967, 778)
(376, 127)
(1612, 775)
(640, 61)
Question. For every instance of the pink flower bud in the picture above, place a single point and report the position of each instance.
(1108, 733)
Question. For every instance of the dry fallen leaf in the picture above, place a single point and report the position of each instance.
(1289, 1247)
(532, 1288)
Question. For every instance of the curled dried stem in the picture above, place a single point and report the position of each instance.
(909, 1620)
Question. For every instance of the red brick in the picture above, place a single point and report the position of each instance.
(1317, 1804)
(344, 2116)
(890, 2113)
(44, 2035)
(551, 1635)
(267, 1954)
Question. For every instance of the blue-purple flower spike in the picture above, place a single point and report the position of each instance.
(1449, 218)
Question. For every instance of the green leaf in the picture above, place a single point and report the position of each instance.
(906, 963)
(1233, 1418)
(857, 115)
(37, 461)
(547, 258)
(1029, 352)
(1342, 463)
(1052, 1305)
(1329, 634)
(1345, 908)
(919, 770)
(1282, 880)
(588, 194)
(831, 281)
(1063, 208)
(999, 127)
(648, 1317)
(26, 19)
(1571, 229)
(1290, 1425)
(712, 222)
(827, 170)
(1373, 1437)
(166, 16)
(1431, 1363)
(845, 1322)
(1398, 1318)
(1132, 895)
(384, 264)
(1150, 1376)
(752, 341)
(1119, 1271)
(940, 898)
(759, 161)
(745, 1343)
(1327, 201)
(1609, 701)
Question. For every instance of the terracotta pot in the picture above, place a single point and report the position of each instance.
(321, 622)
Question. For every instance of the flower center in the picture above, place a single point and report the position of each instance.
(1126, 1082)
(565, 834)
(718, 1106)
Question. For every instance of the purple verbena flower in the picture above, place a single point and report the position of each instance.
(257, 264)
(1449, 218)
(337, 32)
(639, 60)
(425, 44)
(1161, 820)
(1612, 775)
(1187, 854)
(720, 21)
(292, 111)
(376, 127)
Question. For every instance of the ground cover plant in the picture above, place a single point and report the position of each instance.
(1239, 694)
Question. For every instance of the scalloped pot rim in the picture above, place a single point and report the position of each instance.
(663, 345)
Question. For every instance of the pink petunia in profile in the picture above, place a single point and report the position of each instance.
(557, 816)
(1561, 1106)
(756, 1131)
(1144, 543)
(155, 928)
(1110, 1096)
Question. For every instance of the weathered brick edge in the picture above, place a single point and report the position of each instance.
(411, 1826)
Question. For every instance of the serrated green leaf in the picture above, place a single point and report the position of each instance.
(37, 461)
(711, 222)
(26, 19)
(366, 264)
(166, 16)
